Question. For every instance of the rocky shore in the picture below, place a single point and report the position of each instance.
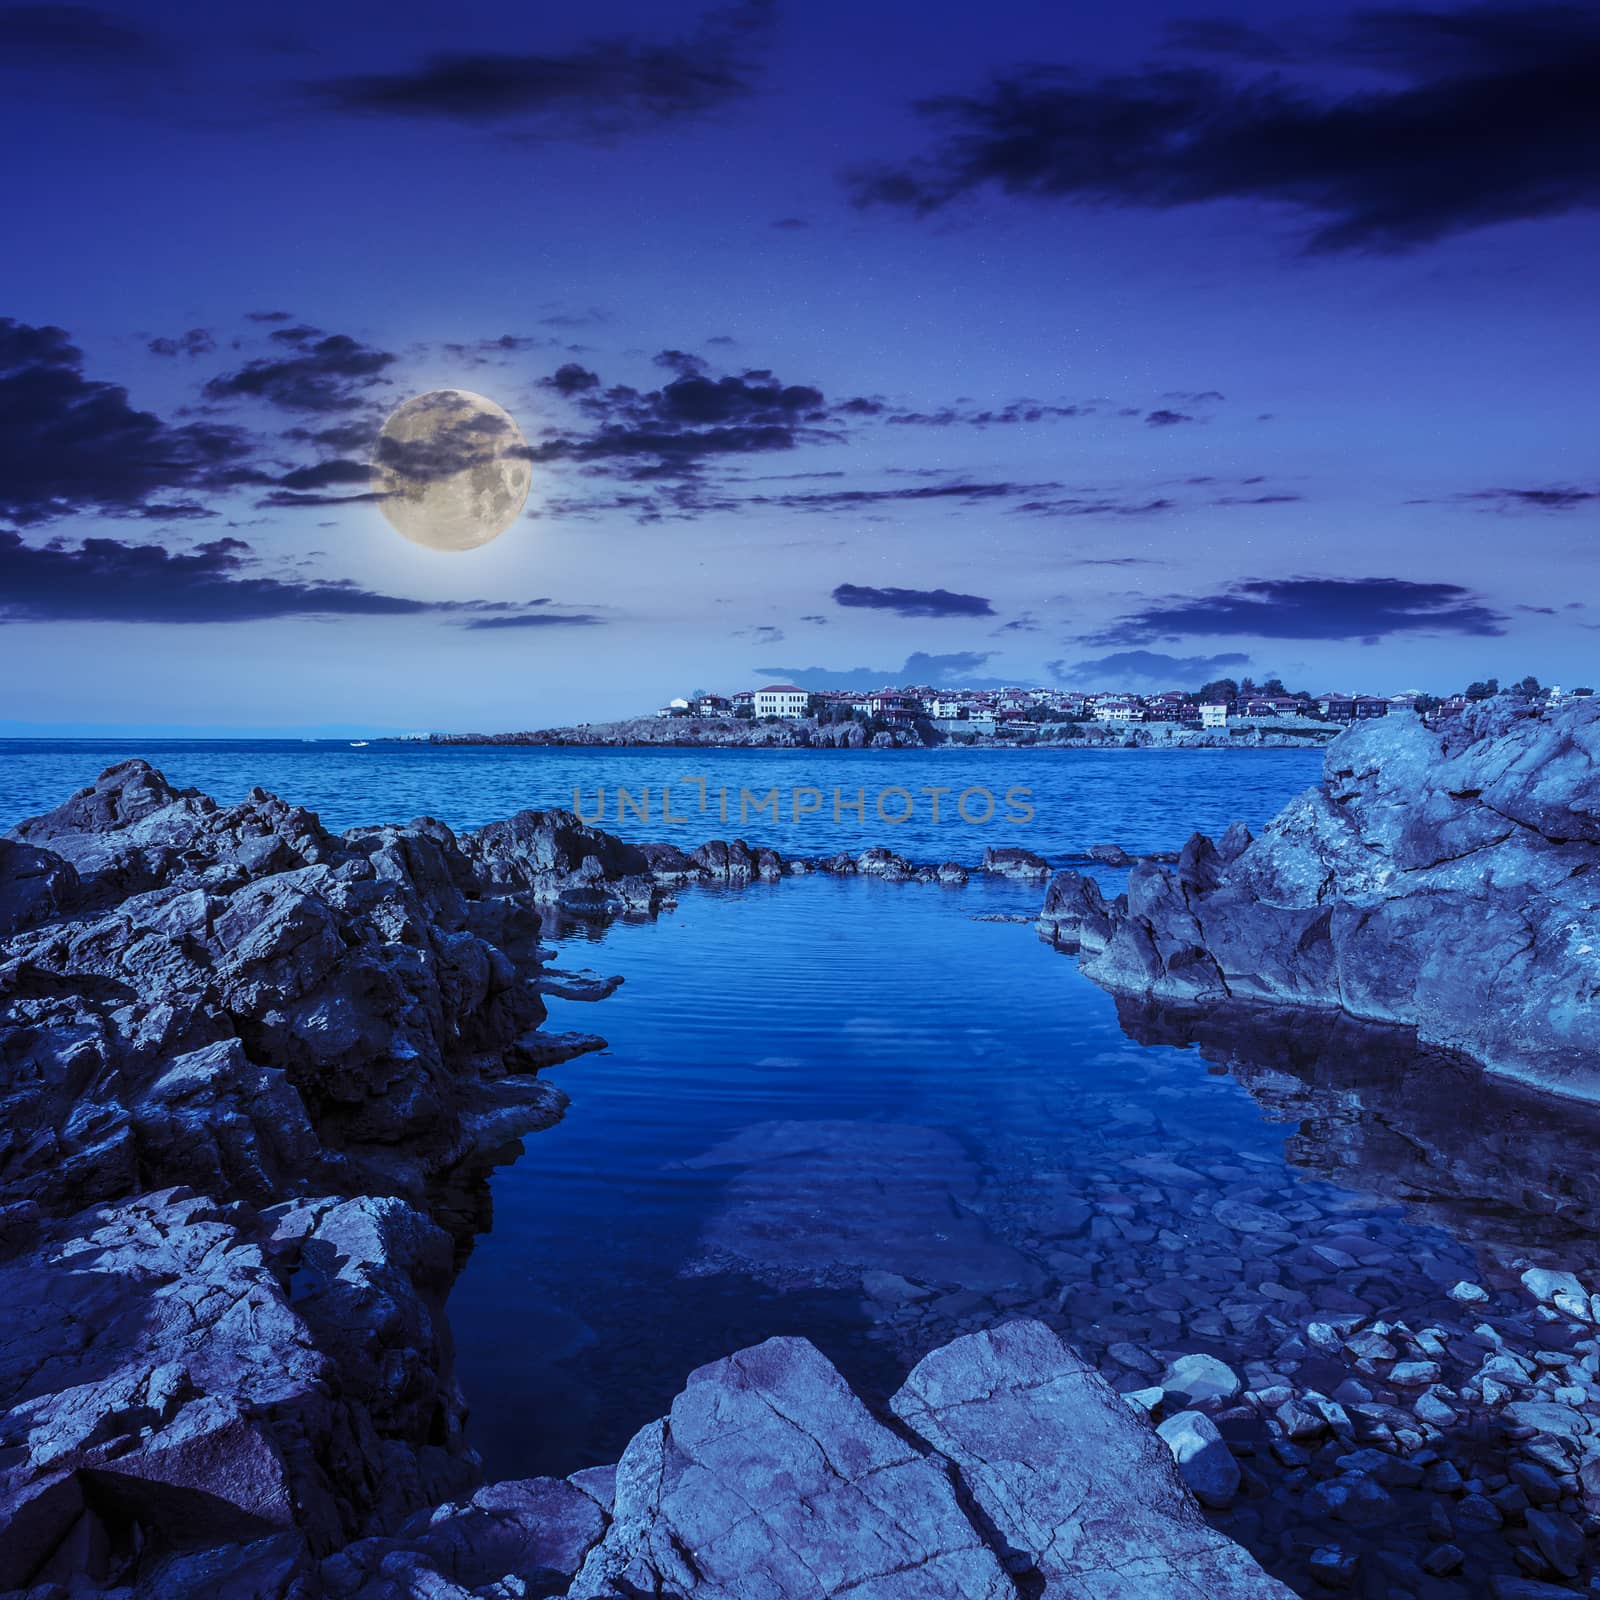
(808, 733)
(254, 1076)
(1440, 878)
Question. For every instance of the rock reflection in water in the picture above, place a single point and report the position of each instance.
(1476, 1154)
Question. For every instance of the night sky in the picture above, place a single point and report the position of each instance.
(1048, 343)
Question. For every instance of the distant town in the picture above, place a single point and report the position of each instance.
(1223, 704)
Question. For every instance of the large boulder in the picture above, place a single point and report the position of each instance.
(771, 1478)
(1440, 878)
(1068, 1476)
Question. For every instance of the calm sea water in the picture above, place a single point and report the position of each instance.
(817, 1079)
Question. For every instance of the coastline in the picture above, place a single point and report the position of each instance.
(807, 734)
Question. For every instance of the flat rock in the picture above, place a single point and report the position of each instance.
(1069, 1475)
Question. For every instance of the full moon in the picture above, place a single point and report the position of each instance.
(451, 470)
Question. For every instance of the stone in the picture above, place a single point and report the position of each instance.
(1334, 1567)
(1068, 1475)
(1544, 1285)
(1205, 1463)
(1469, 1294)
(770, 1477)
(1198, 1379)
(1559, 1539)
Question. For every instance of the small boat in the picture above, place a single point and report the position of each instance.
(359, 744)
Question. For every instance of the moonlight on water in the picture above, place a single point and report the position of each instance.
(451, 470)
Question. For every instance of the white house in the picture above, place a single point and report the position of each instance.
(782, 700)
(946, 708)
(1214, 716)
(678, 707)
(1117, 711)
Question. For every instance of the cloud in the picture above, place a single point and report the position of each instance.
(597, 91)
(74, 36)
(671, 432)
(1025, 623)
(1368, 609)
(196, 342)
(106, 580)
(1163, 418)
(1488, 115)
(966, 416)
(761, 633)
(1552, 497)
(484, 352)
(950, 671)
(324, 372)
(1145, 667)
(913, 602)
(1094, 505)
(70, 443)
(963, 491)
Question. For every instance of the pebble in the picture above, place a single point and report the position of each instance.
(1469, 1294)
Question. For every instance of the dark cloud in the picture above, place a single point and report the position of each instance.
(325, 372)
(1311, 608)
(913, 602)
(1145, 667)
(106, 580)
(956, 670)
(761, 633)
(71, 443)
(72, 36)
(268, 316)
(537, 619)
(961, 415)
(964, 492)
(196, 342)
(571, 379)
(600, 90)
(1552, 497)
(483, 352)
(671, 431)
(1094, 505)
(790, 224)
(1163, 418)
(1491, 115)
(1026, 623)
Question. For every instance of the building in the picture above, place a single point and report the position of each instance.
(894, 701)
(782, 700)
(678, 707)
(744, 703)
(1214, 716)
(713, 705)
(1110, 710)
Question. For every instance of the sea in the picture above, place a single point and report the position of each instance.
(877, 1115)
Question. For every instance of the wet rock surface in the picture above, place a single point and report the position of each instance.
(1443, 878)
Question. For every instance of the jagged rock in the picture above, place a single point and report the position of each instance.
(535, 1532)
(1440, 878)
(314, 1036)
(1068, 1475)
(1007, 861)
(770, 1477)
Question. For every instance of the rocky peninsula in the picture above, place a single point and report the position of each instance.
(1442, 878)
(254, 1076)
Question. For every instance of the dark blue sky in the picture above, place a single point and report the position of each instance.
(1023, 342)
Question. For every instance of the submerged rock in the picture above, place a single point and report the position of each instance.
(1441, 878)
